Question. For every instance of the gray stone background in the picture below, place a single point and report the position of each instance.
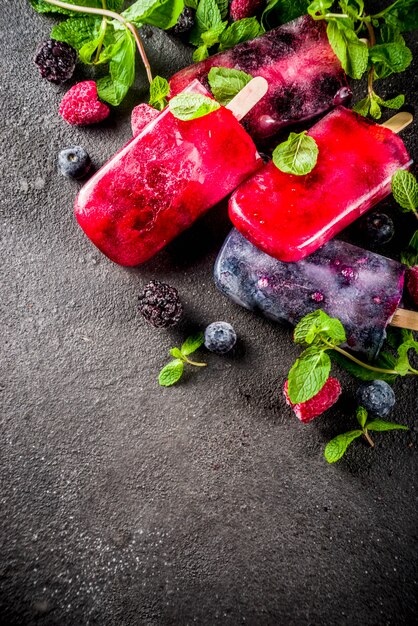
(126, 503)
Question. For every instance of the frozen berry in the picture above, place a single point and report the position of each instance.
(141, 116)
(377, 228)
(56, 60)
(240, 9)
(324, 399)
(160, 304)
(74, 162)
(80, 105)
(377, 397)
(412, 283)
(184, 23)
(220, 337)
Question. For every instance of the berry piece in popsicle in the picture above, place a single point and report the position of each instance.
(290, 216)
(165, 178)
(360, 288)
(305, 77)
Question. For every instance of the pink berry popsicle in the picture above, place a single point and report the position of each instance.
(165, 178)
(304, 75)
(290, 216)
(360, 288)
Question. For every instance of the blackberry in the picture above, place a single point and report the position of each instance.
(74, 162)
(377, 397)
(184, 23)
(160, 304)
(56, 60)
(220, 337)
(377, 228)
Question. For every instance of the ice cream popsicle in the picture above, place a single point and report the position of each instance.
(165, 178)
(290, 216)
(304, 75)
(360, 288)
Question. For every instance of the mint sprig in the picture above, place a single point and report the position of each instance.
(297, 155)
(159, 90)
(324, 335)
(101, 35)
(190, 106)
(338, 446)
(173, 371)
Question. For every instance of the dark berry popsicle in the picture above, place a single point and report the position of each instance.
(304, 75)
(360, 288)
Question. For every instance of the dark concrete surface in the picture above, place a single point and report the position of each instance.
(207, 503)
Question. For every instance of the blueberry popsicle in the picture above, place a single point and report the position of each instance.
(304, 75)
(360, 288)
(290, 216)
(164, 179)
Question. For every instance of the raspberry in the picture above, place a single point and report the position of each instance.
(244, 8)
(323, 400)
(55, 60)
(81, 107)
(412, 283)
(142, 115)
(160, 304)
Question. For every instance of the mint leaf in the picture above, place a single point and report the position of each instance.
(192, 344)
(225, 83)
(385, 361)
(319, 323)
(207, 17)
(113, 88)
(190, 106)
(176, 353)
(308, 375)
(393, 103)
(278, 12)
(297, 155)
(389, 58)
(361, 415)
(381, 426)
(171, 373)
(352, 52)
(337, 447)
(77, 31)
(410, 256)
(211, 37)
(239, 31)
(375, 110)
(362, 107)
(201, 53)
(405, 190)
(158, 92)
(402, 14)
(223, 7)
(319, 6)
(192, 4)
(402, 364)
(161, 13)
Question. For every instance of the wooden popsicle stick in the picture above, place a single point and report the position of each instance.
(402, 318)
(248, 97)
(398, 122)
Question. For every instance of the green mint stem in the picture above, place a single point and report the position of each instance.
(370, 76)
(113, 16)
(353, 358)
(194, 362)
(327, 15)
(368, 438)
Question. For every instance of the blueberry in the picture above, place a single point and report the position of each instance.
(377, 228)
(74, 162)
(220, 337)
(377, 397)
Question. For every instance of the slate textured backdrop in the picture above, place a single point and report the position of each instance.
(126, 503)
